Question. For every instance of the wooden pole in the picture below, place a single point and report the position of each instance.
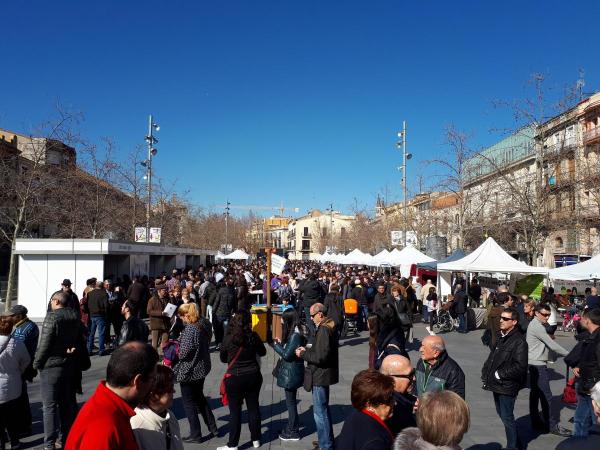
(268, 293)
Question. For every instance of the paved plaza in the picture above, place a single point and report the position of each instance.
(486, 431)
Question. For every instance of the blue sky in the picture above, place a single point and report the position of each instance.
(294, 101)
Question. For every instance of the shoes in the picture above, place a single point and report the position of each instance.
(255, 444)
(289, 436)
(192, 439)
(226, 447)
(560, 431)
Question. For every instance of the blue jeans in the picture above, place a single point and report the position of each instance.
(462, 322)
(505, 407)
(584, 416)
(59, 404)
(100, 323)
(364, 309)
(322, 416)
(425, 313)
(539, 380)
(293, 425)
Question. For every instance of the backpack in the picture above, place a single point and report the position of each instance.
(170, 353)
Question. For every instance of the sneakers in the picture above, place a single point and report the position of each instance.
(226, 447)
(289, 436)
(255, 444)
(560, 431)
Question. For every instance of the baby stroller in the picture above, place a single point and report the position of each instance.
(351, 317)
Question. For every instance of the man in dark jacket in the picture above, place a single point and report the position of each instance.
(312, 293)
(323, 364)
(359, 294)
(436, 371)
(133, 328)
(224, 306)
(505, 372)
(56, 361)
(97, 302)
(460, 308)
(381, 297)
(159, 321)
(399, 368)
(72, 299)
(137, 293)
(588, 373)
(475, 292)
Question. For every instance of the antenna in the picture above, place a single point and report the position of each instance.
(581, 83)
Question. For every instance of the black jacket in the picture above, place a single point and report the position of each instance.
(322, 357)
(402, 308)
(137, 293)
(358, 294)
(444, 375)
(460, 302)
(62, 330)
(390, 341)
(380, 299)
(312, 292)
(210, 294)
(363, 432)
(334, 308)
(225, 302)
(72, 302)
(589, 362)
(97, 302)
(509, 358)
(403, 416)
(133, 329)
(247, 362)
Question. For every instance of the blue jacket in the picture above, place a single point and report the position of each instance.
(28, 333)
(291, 372)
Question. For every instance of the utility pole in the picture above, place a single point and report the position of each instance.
(405, 157)
(152, 151)
(331, 227)
(227, 208)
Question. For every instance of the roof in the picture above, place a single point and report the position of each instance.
(587, 270)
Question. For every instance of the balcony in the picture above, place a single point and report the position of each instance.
(591, 136)
(559, 148)
(306, 236)
(306, 249)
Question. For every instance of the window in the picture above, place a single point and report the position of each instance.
(558, 242)
(305, 233)
(305, 245)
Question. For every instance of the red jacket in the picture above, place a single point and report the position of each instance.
(103, 423)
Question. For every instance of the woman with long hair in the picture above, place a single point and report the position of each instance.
(390, 339)
(192, 368)
(239, 351)
(291, 370)
(373, 324)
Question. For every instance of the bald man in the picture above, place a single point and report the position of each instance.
(436, 371)
(400, 369)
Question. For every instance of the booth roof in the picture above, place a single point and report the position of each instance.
(409, 255)
(587, 270)
(236, 254)
(456, 255)
(489, 257)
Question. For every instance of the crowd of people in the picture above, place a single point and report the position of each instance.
(160, 332)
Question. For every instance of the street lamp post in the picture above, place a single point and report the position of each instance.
(152, 151)
(405, 157)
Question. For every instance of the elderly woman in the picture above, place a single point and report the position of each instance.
(14, 359)
(372, 396)
(442, 419)
(192, 368)
(596, 399)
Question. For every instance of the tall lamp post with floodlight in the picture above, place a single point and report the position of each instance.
(405, 157)
(152, 151)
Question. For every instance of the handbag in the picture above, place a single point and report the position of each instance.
(308, 379)
(223, 389)
(277, 369)
(404, 319)
(569, 394)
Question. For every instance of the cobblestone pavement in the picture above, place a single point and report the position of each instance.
(486, 431)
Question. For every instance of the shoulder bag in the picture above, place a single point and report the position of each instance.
(223, 390)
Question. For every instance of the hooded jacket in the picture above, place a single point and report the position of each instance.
(410, 439)
(150, 430)
(322, 357)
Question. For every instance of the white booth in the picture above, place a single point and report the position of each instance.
(44, 263)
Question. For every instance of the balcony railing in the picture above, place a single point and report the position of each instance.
(306, 249)
(591, 136)
(306, 236)
(558, 148)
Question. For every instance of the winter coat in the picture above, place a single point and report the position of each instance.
(390, 341)
(410, 439)
(322, 357)
(403, 415)
(155, 309)
(334, 308)
(460, 302)
(312, 293)
(28, 333)
(362, 431)
(444, 375)
(589, 362)
(150, 430)
(247, 361)
(225, 302)
(493, 322)
(291, 371)
(401, 306)
(61, 331)
(137, 293)
(97, 303)
(194, 356)
(358, 294)
(133, 329)
(210, 293)
(380, 299)
(508, 359)
(14, 359)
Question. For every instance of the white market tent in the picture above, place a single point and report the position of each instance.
(488, 257)
(237, 254)
(382, 258)
(219, 255)
(406, 257)
(355, 257)
(587, 270)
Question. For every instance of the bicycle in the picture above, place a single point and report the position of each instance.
(444, 322)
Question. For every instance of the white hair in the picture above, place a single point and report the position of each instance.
(595, 393)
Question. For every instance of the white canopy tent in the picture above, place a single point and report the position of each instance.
(355, 257)
(219, 255)
(406, 257)
(237, 254)
(382, 258)
(489, 257)
(587, 270)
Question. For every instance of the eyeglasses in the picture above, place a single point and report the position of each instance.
(410, 376)
(313, 315)
(545, 315)
(506, 318)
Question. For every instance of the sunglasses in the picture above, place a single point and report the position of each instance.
(313, 315)
(545, 315)
(506, 318)
(410, 376)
